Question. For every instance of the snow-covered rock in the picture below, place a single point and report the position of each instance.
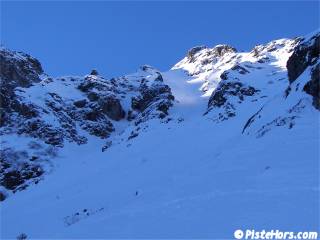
(67, 109)
(19, 69)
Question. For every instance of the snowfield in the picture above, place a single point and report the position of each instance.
(227, 156)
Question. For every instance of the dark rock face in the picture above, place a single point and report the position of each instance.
(150, 95)
(86, 86)
(153, 100)
(12, 179)
(194, 50)
(251, 120)
(159, 78)
(237, 89)
(80, 103)
(146, 68)
(103, 94)
(217, 51)
(19, 69)
(112, 108)
(313, 86)
(92, 119)
(21, 115)
(92, 96)
(22, 236)
(240, 69)
(305, 54)
(226, 97)
(94, 72)
(224, 75)
(53, 118)
(17, 114)
(11, 104)
(2, 196)
(220, 50)
(99, 128)
(41, 130)
(16, 70)
(18, 169)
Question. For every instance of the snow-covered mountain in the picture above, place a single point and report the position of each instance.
(224, 140)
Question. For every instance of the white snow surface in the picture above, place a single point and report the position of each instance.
(191, 177)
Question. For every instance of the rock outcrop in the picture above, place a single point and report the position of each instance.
(306, 54)
(313, 86)
(19, 69)
(57, 111)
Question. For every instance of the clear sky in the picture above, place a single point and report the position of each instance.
(72, 37)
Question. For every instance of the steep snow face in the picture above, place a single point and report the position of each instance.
(222, 141)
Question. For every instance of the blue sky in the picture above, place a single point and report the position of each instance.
(117, 37)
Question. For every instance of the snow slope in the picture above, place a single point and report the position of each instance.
(202, 171)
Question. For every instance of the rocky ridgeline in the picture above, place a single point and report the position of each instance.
(48, 112)
(202, 59)
(237, 80)
(209, 55)
(241, 83)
